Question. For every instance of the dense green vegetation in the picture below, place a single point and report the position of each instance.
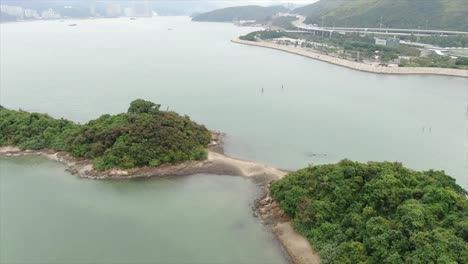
(379, 212)
(459, 41)
(436, 61)
(251, 12)
(144, 136)
(349, 46)
(284, 22)
(430, 14)
(265, 34)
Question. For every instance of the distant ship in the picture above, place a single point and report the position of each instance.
(72, 25)
(133, 18)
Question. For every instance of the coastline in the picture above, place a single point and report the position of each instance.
(357, 65)
(216, 163)
(296, 246)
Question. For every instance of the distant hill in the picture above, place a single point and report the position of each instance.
(432, 14)
(251, 12)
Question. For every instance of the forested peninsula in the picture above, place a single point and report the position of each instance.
(143, 136)
(376, 212)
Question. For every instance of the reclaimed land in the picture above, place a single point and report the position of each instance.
(357, 65)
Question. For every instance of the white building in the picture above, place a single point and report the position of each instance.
(50, 14)
(391, 42)
(113, 10)
(142, 9)
(31, 14)
(128, 11)
(379, 41)
(15, 11)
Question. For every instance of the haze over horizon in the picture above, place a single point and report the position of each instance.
(162, 7)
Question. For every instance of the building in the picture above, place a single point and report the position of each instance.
(31, 14)
(15, 11)
(142, 9)
(379, 41)
(391, 42)
(50, 14)
(113, 10)
(128, 11)
(92, 10)
(394, 42)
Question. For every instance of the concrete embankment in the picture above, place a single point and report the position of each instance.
(357, 65)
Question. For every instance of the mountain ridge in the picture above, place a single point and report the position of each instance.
(249, 12)
(427, 14)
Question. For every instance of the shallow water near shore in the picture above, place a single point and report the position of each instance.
(322, 114)
(49, 216)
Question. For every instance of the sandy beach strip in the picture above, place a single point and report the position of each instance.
(296, 245)
(216, 163)
(357, 65)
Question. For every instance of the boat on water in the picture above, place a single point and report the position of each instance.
(133, 18)
(72, 25)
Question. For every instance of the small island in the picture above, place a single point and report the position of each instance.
(144, 136)
(143, 142)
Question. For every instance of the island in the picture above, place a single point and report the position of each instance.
(143, 142)
(349, 212)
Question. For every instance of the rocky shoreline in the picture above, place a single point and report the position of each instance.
(216, 163)
(357, 65)
(296, 245)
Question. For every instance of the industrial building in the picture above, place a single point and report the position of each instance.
(391, 42)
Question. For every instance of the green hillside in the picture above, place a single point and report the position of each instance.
(431, 14)
(377, 212)
(251, 12)
(144, 136)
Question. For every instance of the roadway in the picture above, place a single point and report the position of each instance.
(301, 26)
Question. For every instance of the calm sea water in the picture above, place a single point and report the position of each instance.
(49, 216)
(322, 114)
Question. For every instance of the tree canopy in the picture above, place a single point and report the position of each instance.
(140, 106)
(378, 212)
(144, 136)
(250, 12)
(424, 14)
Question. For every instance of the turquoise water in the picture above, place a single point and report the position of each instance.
(324, 113)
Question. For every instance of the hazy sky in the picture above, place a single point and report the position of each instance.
(164, 7)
